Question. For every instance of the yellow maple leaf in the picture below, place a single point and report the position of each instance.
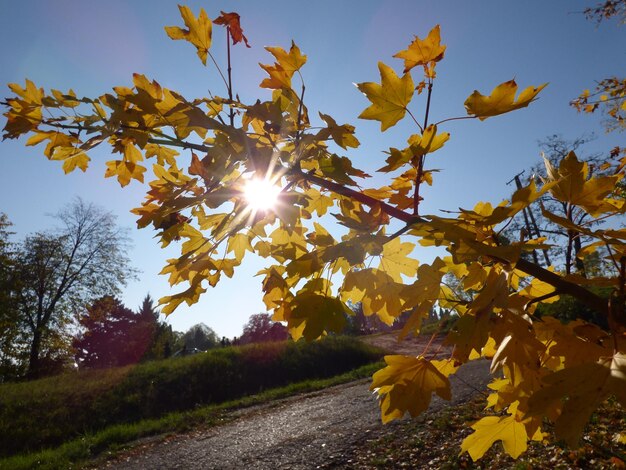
(287, 63)
(406, 384)
(72, 157)
(30, 94)
(395, 262)
(313, 315)
(428, 142)
(502, 100)
(378, 293)
(198, 34)
(389, 99)
(571, 185)
(238, 244)
(342, 135)
(470, 334)
(423, 51)
(419, 145)
(290, 61)
(490, 429)
(519, 353)
(585, 387)
(125, 171)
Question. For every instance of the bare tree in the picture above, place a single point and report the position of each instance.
(61, 271)
(566, 244)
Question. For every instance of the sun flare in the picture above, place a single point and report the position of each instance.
(261, 194)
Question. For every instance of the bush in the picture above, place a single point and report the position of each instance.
(50, 411)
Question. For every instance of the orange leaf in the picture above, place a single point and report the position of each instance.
(231, 21)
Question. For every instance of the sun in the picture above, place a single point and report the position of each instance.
(261, 194)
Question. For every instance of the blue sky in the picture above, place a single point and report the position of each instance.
(92, 46)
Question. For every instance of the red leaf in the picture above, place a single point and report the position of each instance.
(231, 21)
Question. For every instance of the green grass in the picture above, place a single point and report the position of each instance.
(49, 412)
(76, 452)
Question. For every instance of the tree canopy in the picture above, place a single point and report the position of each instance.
(57, 273)
(206, 152)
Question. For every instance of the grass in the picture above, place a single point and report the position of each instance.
(49, 412)
(75, 453)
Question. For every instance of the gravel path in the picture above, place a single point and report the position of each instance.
(317, 430)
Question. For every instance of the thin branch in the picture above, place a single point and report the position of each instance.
(460, 118)
(231, 113)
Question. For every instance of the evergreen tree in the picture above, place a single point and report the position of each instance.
(113, 335)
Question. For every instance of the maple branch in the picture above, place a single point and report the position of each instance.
(587, 297)
(357, 196)
(231, 113)
(430, 93)
(563, 286)
(420, 165)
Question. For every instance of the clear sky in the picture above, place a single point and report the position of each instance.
(92, 46)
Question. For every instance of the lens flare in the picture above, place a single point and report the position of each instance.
(261, 194)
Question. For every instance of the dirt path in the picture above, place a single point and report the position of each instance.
(317, 430)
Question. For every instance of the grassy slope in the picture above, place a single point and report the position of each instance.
(49, 412)
(74, 453)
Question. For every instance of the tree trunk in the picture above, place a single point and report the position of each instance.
(33, 359)
(580, 266)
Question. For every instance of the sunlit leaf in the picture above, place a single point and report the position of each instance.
(389, 99)
(423, 51)
(198, 32)
(501, 100)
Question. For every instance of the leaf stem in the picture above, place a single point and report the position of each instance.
(459, 118)
(218, 69)
(231, 113)
(414, 120)
(420, 165)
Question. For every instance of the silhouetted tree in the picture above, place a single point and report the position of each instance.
(200, 337)
(261, 328)
(113, 335)
(162, 338)
(60, 271)
(13, 346)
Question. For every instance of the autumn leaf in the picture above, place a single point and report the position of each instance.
(198, 34)
(287, 63)
(125, 171)
(238, 244)
(72, 158)
(395, 262)
(378, 293)
(419, 145)
(502, 100)
(490, 429)
(25, 113)
(313, 315)
(423, 51)
(584, 387)
(389, 99)
(231, 21)
(571, 183)
(406, 384)
(342, 135)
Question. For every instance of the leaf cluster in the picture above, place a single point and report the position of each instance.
(546, 369)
